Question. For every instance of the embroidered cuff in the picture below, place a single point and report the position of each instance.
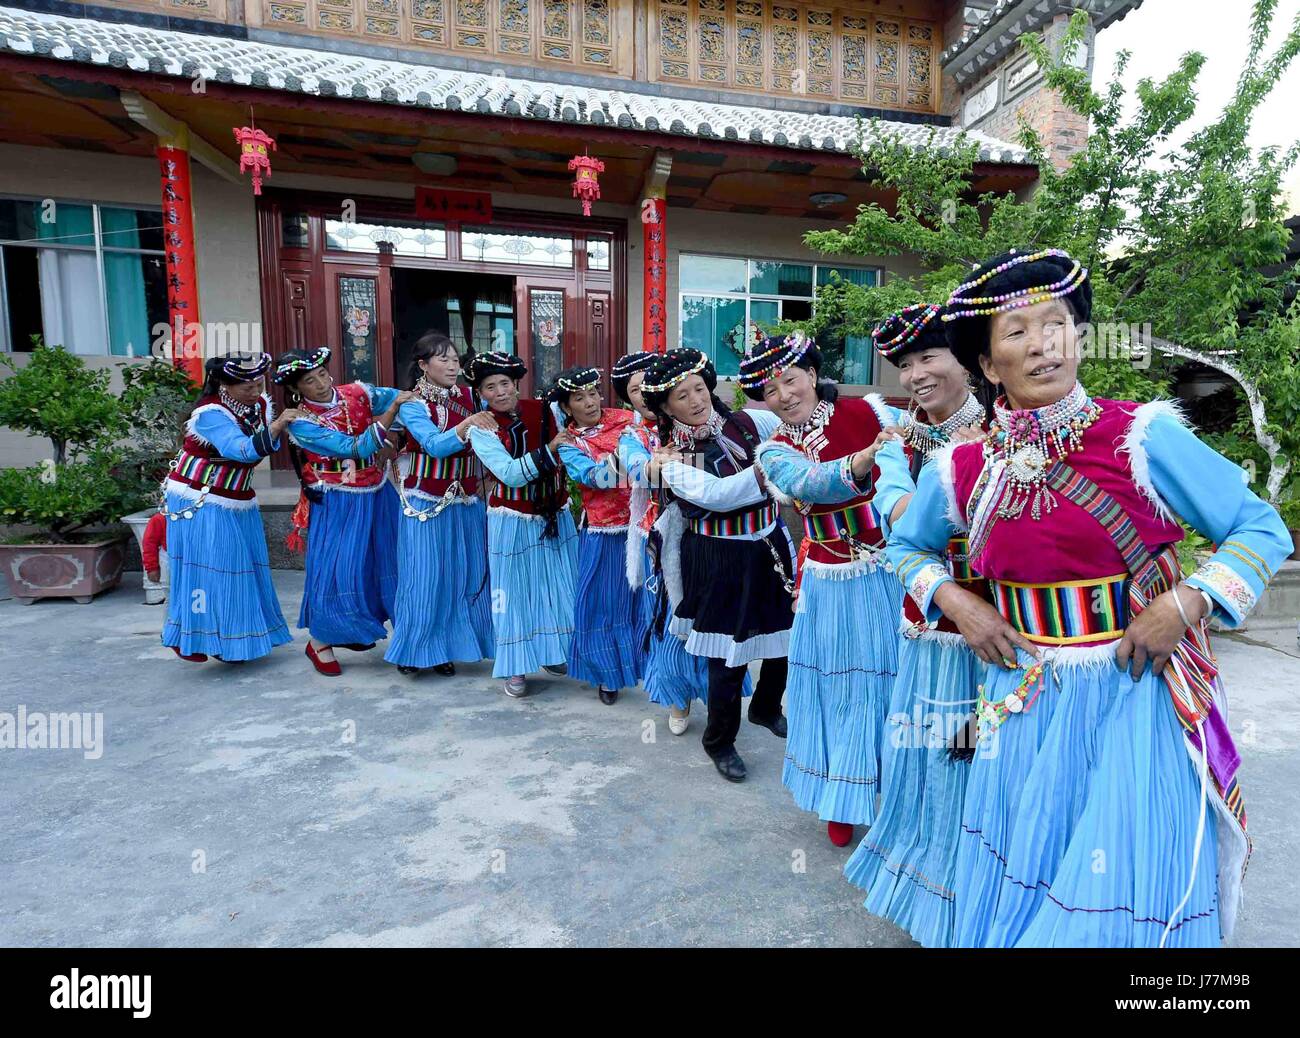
(262, 442)
(1233, 593)
(921, 584)
(862, 486)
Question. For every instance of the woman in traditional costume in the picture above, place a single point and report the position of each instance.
(1102, 807)
(826, 457)
(727, 557)
(907, 861)
(222, 602)
(441, 612)
(606, 649)
(340, 447)
(673, 677)
(532, 541)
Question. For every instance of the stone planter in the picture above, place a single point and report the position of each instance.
(77, 571)
(154, 594)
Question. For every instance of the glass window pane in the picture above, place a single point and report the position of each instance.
(61, 223)
(858, 359)
(711, 274)
(774, 278)
(137, 301)
(710, 324)
(598, 254)
(417, 239)
(765, 313)
(546, 331)
(360, 318)
(131, 228)
(541, 250)
(294, 230)
(854, 275)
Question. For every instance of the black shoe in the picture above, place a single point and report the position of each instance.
(356, 647)
(776, 726)
(608, 696)
(408, 671)
(731, 767)
(447, 670)
(557, 670)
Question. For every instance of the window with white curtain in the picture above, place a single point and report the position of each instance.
(88, 277)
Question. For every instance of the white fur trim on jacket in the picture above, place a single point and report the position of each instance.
(671, 524)
(1134, 445)
(942, 460)
(190, 422)
(884, 413)
(773, 491)
(634, 563)
(189, 493)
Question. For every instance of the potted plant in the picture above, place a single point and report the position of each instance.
(89, 482)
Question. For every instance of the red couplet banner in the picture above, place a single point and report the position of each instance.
(654, 235)
(182, 277)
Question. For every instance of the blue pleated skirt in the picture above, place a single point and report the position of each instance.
(673, 677)
(1080, 821)
(221, 601)
(843, 660)
(534, 584)
(907, 861)
(441, 613)
(606, 649)
(351, 566)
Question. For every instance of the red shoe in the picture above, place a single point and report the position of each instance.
(195, 657)
(330, 670)
(840, 833)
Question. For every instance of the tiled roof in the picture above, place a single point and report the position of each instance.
(330, 74)
(1002, 25)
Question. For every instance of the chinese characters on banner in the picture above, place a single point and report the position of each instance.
(178, 243)
(655, 324)
(435, 204)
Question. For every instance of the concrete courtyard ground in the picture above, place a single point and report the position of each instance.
(266, 805)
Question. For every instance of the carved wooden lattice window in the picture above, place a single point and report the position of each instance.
(593, 35)
(817, 51)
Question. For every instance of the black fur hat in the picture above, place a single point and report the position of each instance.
(669, 369)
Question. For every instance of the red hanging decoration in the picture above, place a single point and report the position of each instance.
(254, 146)
(585, 184)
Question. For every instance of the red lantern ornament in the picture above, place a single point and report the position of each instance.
(254, 146)
(585, 185)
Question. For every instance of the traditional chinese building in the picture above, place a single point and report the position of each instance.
(422, 172)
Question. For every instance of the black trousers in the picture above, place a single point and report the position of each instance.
(725, 684)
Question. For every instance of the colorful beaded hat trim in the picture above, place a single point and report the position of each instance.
(912, 321)
(983, 306)
(672, 380)
(495, 362)
(630, 363)
(314, 360)
(240, 368)
(583, 379)
(760, 368)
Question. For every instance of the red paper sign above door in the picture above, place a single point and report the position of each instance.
(433, 203)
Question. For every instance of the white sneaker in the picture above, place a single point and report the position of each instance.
(677, 724)
(516, 687)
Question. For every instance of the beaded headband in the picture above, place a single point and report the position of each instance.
(286, 369)
(630, 363)
(584, 378)
(234, 368)
(983, 306)
(495, 362)
(911, 319)
(674, 379)
(758, 369)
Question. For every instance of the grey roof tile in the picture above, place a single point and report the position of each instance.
(333, 74)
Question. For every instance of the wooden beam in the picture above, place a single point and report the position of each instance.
(177, 134)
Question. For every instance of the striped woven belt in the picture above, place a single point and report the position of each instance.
(219, 475)
(736, 525)
(425, 466)
(959, 560)
(854, 522)
(505, 493)
(1070, 613)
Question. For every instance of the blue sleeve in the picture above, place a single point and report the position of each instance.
(917, 549)
(893, 484)
(513, 472)
(1211, 495)
(633, 458)
(797, 476)
(335, 444)
(587, 472)
(433, 441)
(764, 421)
(381, 398)
(223, 432)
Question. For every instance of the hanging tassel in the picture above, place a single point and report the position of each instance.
(295, 541)
(804, 545)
